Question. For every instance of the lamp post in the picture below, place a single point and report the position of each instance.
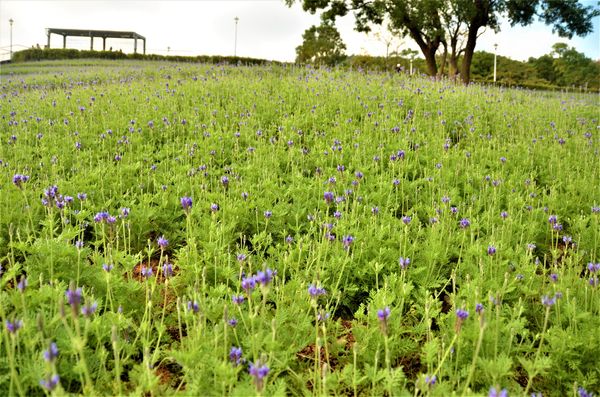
(495, 53)
(10, 21)
(236, 19)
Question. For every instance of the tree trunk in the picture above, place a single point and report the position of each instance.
(465, 72)
(430, 61)
(443, 61)
(428, 49)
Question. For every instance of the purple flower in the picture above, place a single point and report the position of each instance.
(241, 257)
(504, 214)
(328, 197)
(315, 291)
(265, 277)
(237, 299)
(268, 214)
(554, 277)
(22, 284)
(595, 210)
(107, 268)
(52, 353)
(162, 242)
(479, 308)
(224, 181)
(462, 314)
(406, 219)
(258, 372)
(552, 219)
(593, 268)
(244, 196)
(495, 393)
(584, 393)
(79, 244)
(82, 196)
(248, 283)
(74, 297)
(430, 381)
(88, 310)
(101, 216)
(491, 250)
(235, 355)
(289, 239)
(186, 203)
(50, 383)
(232, 322)
(214, 207)
(547, 301)
(19, 179)
(531, 247)
(146, 272)
(464, 223)
(167, 269)
(404, 262)
(193, 306)
(13, 327)
(125, 212)
(347, 241)
(383, 314)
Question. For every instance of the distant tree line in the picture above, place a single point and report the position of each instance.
(563, 67)
(38, 54)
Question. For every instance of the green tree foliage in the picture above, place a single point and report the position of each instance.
(456, 24)
(322, 45)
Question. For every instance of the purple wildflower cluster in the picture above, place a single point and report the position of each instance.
(593, 269)
(262, 278)
(19, 180)
(259, 372)
(51, 197)
(105, 217)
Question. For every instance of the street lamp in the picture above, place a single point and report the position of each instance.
(236, 19)
(11, 23)
(495, 53)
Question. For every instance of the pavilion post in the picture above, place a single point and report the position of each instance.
(64, 41)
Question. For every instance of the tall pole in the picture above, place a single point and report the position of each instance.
(495, 54)
(236, 19)
(11, 23)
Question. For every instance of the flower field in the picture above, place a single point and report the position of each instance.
(185, 229)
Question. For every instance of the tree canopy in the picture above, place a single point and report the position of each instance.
(455, 25)
(322, 45)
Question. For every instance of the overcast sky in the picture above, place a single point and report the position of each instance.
(266, 28)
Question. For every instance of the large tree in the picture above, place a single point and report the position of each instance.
(456, 24)
(321, 45)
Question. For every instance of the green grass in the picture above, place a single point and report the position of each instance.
(356, 170)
